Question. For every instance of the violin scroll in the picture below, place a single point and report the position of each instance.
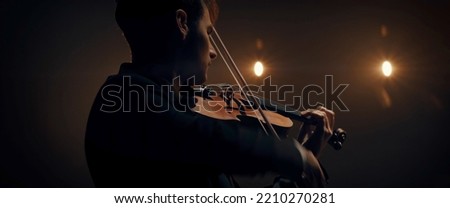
(338, 138)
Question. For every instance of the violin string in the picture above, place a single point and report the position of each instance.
(241, 78)
(234, 76)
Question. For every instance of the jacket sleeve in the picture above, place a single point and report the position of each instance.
(231, 146)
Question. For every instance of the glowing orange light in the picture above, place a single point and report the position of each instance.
(259, 68)
(387, 68)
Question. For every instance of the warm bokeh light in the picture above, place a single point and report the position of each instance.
(387, 68)
(384, 31)
(386, 100)
(259, 44)
(259, 68)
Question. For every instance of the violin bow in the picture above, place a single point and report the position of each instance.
(240, 80)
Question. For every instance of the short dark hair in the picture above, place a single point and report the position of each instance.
(149, 24)
(148, 9)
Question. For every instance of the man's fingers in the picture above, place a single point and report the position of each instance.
(324, 119)
(330, 116)
(314, 114)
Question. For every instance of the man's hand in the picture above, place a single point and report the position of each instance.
(318, 135)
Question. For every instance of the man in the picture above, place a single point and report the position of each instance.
(140, 133)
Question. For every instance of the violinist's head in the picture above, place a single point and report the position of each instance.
(170, 32)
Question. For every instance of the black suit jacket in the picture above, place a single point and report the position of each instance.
(139, 135)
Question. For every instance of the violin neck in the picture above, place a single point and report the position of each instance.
(282, 109)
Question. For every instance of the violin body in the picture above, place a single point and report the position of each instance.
(228, 104)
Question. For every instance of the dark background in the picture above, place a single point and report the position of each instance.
(56, 54)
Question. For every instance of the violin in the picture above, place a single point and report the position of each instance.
(221, 101)
(242, 105)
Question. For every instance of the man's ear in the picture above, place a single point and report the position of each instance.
(181, 16)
